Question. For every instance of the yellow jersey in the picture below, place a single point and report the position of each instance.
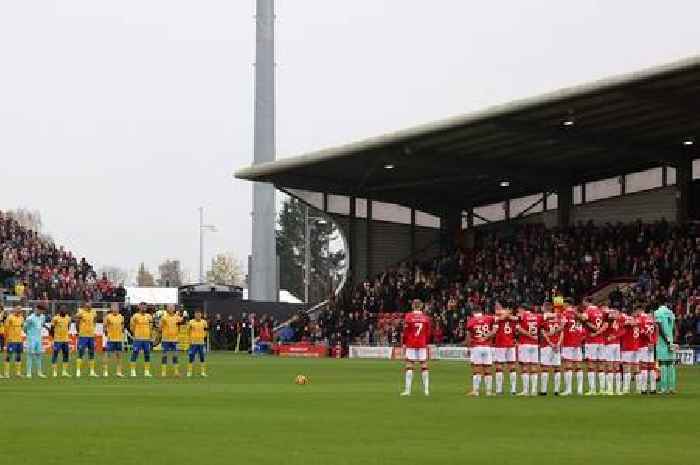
(141, 326)
(169, 327)
(86, 326)
(13, 329)
(198, 331)
(61, 327)
(114, 327)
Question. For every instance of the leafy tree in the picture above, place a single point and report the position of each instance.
(144, 278)
(170, 274)
(290, 249)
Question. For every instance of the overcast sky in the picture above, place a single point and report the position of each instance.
(118, 119)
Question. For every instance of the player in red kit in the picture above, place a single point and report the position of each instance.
(480, 331)
(416, 335)
(528, 331)
(596, 326)
(616, 328)
(629, 349)
(571, 352)
(504, 347)
(647, 341)
(550, 349)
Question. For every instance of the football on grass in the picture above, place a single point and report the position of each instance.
(301, 379)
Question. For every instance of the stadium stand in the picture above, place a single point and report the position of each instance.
(35, 268)
(525, 264)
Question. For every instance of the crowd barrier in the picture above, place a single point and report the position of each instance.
(397, 353)
(300, 349)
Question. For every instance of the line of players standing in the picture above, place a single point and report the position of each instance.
(618, 347)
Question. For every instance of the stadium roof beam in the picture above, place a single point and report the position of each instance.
(615, 128)
(586, 139)
(684, 106)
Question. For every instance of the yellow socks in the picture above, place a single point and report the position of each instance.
(164, 370)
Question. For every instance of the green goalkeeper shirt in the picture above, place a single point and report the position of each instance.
(666, 320)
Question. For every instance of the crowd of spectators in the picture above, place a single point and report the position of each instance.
(35, 268)
(528, 264)
(234, 334)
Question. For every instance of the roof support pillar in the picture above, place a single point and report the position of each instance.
(352, 257)
(413, 231)
(684, 179)
(450, 227)
(564, 203)
(368, 238)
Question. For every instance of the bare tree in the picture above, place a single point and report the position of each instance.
(226, 269)
(28, 219)
(115, 274)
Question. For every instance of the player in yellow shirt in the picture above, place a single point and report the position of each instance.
(114, 329)
(2, 330)
(13, 333)
(86, 318)
(197, 329)
(60, 328)
(170, 332)
(140, 326)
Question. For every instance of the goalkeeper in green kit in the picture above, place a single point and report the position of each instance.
(665, 349)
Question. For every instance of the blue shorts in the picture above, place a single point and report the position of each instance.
(169, 346)
(196, 349)
(114, 346)
(34, 346)
(86, 343)
(15, 348)
(2, 342)
(60, 348)
(142, 346)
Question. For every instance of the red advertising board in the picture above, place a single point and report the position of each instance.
(300, 349)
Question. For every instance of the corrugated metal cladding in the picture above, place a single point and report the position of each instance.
(390, 244)
(649, 206)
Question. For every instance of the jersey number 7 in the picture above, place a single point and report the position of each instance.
(419, 328)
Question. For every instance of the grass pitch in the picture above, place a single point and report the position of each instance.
(249, 411)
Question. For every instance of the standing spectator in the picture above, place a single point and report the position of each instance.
(218, 333)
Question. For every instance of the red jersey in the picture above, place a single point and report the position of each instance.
(596, 318)
(479, 326)
(416, 330)
(529, 324)
(505, 333)
(630, 338)
(647, 330)
(551, 325)
(616, 328)
(574, 334)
